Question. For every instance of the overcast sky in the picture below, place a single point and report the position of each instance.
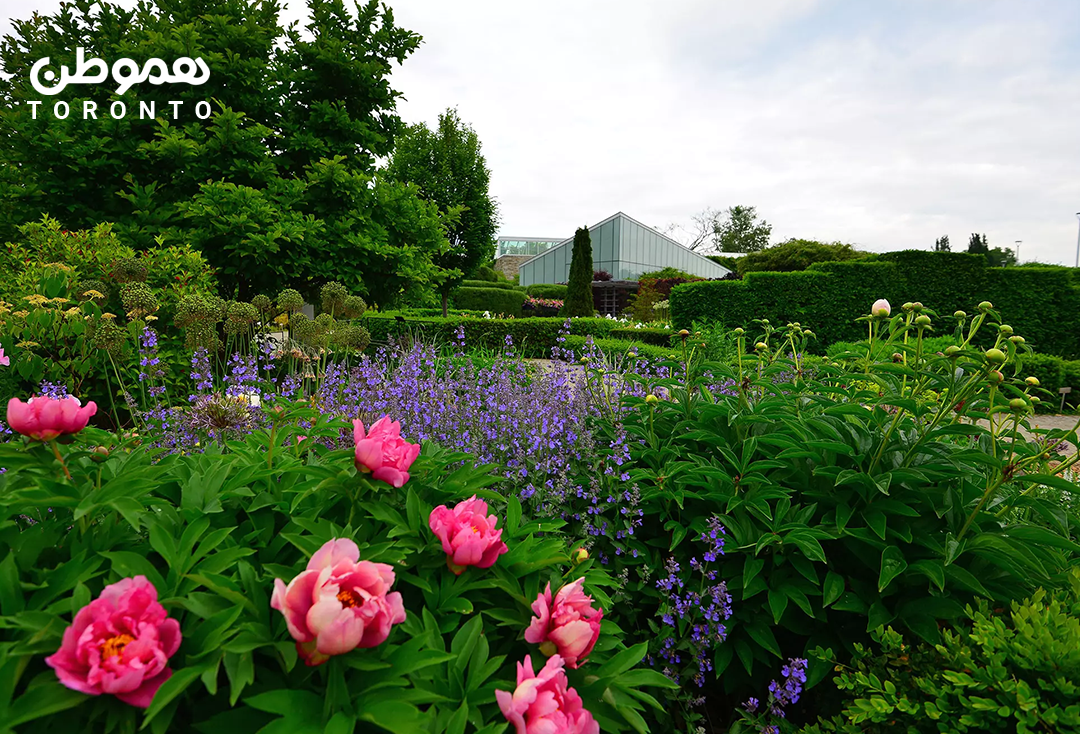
(885, 124)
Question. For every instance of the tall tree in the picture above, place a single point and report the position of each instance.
(942, 244)
(278, 186)
(977, 244)
(579, 297)
(736, 229)
(741, 231)
(448, 167)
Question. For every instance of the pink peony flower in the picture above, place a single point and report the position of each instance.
(4, 359)
(569, 626)
(44, 418)
(881, 308)
(545, 703)
(383, 452)
(119, 643)
(468, 534)
(339, 603)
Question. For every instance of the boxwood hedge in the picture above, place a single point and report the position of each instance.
(1043, 304)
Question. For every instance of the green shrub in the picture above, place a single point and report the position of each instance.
(532, 337)
(505, 284)
(1043, 303)
(618, 347)
(499, 301)
(656, 337)
(489, 274)
(547, 290)
(795, 254)
(995, 672)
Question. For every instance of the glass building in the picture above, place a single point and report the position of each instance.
(623, 247)
(524, 245)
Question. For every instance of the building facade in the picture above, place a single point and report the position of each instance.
(622, 246)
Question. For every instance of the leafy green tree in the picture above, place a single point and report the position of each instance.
(579, 297)
(796, 254)
(942, 244)
(1001, 257)
(977, 244)
(741, 231)
(278, 186)
(450, 171)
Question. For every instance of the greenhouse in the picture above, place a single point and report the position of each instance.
(623, 247)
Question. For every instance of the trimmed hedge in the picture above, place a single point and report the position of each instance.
(533, 337)
(1054, 373)
(547, 290)
(656, 337)
(504, 284)
(1042, 304)
(616, 347)
(496, 300)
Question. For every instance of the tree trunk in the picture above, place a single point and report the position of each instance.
(445, 298)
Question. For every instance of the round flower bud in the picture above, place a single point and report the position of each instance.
(897, 357)
(761, 346)
(1005, 330)
(1017, 339)
(739, 331)
(922, 320)
(985, 306)
(652, 399)
(1035, 399)
(1018, 405)
(881, 309)
(952, 351)
(580, 556)
(995, 356)
(959, 314)
(995, 378)
(684, 333)
(797, 325)
(1033, 381)
(807, 332)
(908, 306)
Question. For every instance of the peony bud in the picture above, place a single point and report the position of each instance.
(1017, 339)
(995, 356)
(580, 556)
(1018, 405)
(684, 333)
(922, 320)
(1035, 399)
(761, 346)
(952, 351)
(1033, 381)
(995, 378)
(1005, 330)
(881, 309)
(739, 331)
(917, 306)
(985, 306)
(959, 314)
(908, 306)
(652, 399)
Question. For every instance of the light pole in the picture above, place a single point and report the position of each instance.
(1018, 251)
(1078, 244)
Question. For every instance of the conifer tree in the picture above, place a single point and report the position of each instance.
(579, 297)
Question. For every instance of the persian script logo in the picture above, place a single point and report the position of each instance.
(125, 72)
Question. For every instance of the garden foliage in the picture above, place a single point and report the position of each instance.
(579, 295)
(272, 194)
(999, 670)
(1042, 303)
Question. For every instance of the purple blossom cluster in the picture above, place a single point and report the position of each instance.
(150, 363)
(695, 610)
(782, 694)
